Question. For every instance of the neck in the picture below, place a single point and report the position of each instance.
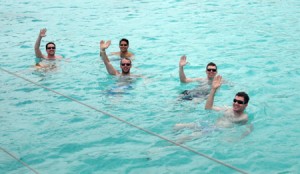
(51, 56)
(125, 74)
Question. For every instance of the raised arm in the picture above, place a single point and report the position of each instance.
(215, 85)
(182, 63)
(37, 50)
(110, 69)
(183, 78)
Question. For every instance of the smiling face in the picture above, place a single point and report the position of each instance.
(239, 104)
(123, 46)
(211, 71)
(50, 49)
(125, 65)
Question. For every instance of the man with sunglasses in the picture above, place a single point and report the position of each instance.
(50, 49)
(123, 53)
(125, 63)
(231, 115)
(203, 90)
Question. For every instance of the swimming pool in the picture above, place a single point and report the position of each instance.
(255, 45)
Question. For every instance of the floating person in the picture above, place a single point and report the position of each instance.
(125, 77)
(231, 116)
(202, 91)
(124, 53)
(234, 115)
(45, 61)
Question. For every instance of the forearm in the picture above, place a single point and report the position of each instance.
(37, 50)
(182, 75)
(110, 69)
(210, 100)
(38, 43)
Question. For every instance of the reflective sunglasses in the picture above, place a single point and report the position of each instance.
(238, 101)
(123, 45)
(48, 48)
(127, 64)
(211, 70)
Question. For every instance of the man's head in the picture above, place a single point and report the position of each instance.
(125, 65)
(211, 70)
(50, 48)
(240, 102)
(124, 44)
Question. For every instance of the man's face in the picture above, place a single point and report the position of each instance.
(50, 49)
(238, 104)
(211, 71)
(125, 66)
(123, 46)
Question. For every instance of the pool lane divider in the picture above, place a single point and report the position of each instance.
(123, 121)
(20, 161)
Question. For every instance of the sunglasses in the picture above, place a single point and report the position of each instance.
(48, 48)
(238, 101)
(127, 64)
(211, 70)
(123, 45)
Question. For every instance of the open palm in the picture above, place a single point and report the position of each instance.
(217, 82)
(43, 32)
(104, 45)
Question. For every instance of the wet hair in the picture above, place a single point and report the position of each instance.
(212, 64)
(125, 40)
(125, 59)
(50, 43)
(244, 95)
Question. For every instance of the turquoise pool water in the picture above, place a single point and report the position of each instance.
(256, 47)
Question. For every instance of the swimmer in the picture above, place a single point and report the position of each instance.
(125, 63)
(204, 88)
(236, 114)
(231, 116)
(123, 53)
(50, 49)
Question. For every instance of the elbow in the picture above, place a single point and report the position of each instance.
(207, 107)
(183, 80)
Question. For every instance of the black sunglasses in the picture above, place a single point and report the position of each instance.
(48, 48)
(127, 64)
(211, 70)
(238, 101)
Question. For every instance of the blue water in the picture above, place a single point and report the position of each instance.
(255, 45)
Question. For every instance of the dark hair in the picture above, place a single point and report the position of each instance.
(211, 64)
(125, 59)
(50, 43)
(244, 95)
(123, 39)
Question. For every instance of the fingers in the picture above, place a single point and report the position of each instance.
(183, 57)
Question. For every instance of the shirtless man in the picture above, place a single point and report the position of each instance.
(125, 63)
(232, 115)
(123, 53)
(211, 71)
(50, 49)
(203, 90)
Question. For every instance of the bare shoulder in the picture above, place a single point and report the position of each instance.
(58, 57)
(115, 53)
(194, 80)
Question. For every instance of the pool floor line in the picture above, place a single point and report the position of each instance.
(128, 123)
(17, 159)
